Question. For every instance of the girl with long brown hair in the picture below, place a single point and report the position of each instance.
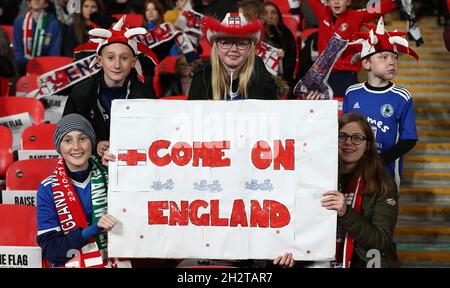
(367, 200)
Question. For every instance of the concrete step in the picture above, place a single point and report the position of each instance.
(435, 133)
(432, 90)
(427, 159)
(441, 100)
(422, 80)
(432, 109)
(430, 148)
(431, 115)
(437, 256)
(424, 191)
(421, 247)
(424, 65)
(422, 230)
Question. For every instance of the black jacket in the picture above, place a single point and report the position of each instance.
(83, 100)
(262, 86)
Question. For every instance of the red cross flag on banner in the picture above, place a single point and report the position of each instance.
(132, 157)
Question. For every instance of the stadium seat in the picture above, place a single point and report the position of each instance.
(9, 30)
(38, 137)
(206, 54)
(6, 153)
(26, 84)
(43, 64)
(16, 105)
(175, 97)
(167, 65)
(131, 20)
(4, 86)
(283, 5)
(292, 23)
(27, 174)
(18, 225)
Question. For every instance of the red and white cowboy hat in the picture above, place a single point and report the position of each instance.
(378, 40)
(233, 25)
(100, 38)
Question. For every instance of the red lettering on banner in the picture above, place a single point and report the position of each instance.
(193, 213)
(215, 219)
(153, 153)
(284, 156)
(258, 216)
(279, 215)
(155, 215)
(273, 214)
(177, 216)
(238, 216)
(262, 155)
(211, 153)
(181, 153)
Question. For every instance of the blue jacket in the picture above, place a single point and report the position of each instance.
(52, 38)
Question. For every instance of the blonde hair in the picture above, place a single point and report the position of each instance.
(221, 79)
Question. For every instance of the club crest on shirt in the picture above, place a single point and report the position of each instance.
(343, 27)
(387, 110)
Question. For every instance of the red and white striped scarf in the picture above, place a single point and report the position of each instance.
(32, 44)
(345, 244)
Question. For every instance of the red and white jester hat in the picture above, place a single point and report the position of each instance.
(233, 25)
(100, 38)
(378, 40)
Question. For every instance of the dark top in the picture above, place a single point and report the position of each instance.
(84, 96)
(262, 86)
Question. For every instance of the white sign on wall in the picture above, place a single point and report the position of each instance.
(37, 154)
(19, 197)
(20, 257)
(16, 123)
(222, 179)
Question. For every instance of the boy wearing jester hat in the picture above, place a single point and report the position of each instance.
(117, 50)
(36, 34)
(387, 107)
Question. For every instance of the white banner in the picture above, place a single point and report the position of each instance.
(37, 154)
(16, 123)
(222, 179)
(20, 257)
(19, 197)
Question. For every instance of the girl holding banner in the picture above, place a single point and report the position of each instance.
(235, 72)
(72, 202)
(367, 203)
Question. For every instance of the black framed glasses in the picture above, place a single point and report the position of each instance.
(356, 139)
(241, 45)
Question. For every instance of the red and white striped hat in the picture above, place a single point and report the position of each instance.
(378, 40)
(233, 25)
(100, 38)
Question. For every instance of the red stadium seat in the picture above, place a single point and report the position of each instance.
(4, 86)
(206, 54)
(38, 137)
(6, 153)
(283, 5)
(43, 64)
(18, 225)
(27, 174)
(26, 84)
(292, 23)
(167, 65)
(175, 97)
(17, 105)
(131, 20)
(9, 30)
